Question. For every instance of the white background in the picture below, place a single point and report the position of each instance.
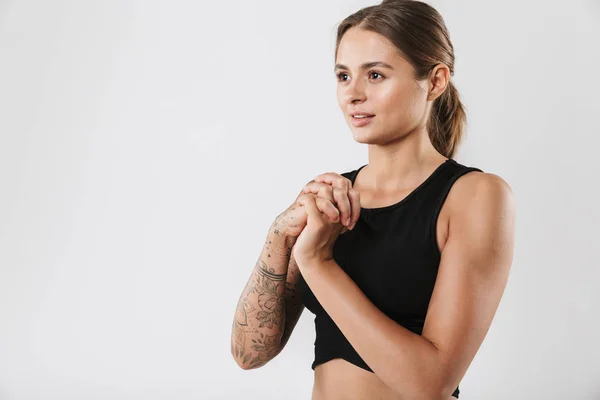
(146, 147)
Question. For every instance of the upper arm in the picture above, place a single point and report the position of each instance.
(472, 275)
(293, 301)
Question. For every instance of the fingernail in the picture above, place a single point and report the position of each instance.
(348, 222)
(352, 227)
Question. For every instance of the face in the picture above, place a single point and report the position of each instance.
(388, 91)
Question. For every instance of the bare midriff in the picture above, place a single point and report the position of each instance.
(339, 379)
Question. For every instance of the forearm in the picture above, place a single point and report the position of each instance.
(260, 315)
(404, 361)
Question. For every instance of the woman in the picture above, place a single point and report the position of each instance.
(404, 260)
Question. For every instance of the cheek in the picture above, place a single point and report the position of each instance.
(341, 98)
(402, 105)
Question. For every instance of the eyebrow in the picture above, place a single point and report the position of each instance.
(366, 65)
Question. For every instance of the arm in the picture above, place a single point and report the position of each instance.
(472, 275)
(293, 302)
(260, 328)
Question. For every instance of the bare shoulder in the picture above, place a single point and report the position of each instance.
(479, 189)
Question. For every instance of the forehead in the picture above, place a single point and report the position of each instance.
(359, 45)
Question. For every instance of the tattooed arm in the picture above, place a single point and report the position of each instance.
(269, 306)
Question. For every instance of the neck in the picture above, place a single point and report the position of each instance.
(401, 164)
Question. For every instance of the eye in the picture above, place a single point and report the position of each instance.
(341, 74)
(375, 72)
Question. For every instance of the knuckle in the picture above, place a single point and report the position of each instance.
(326, 193)
(309, 185)
(340, 181)
(304, 197)
(321, 202)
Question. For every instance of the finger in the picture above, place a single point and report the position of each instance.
(354, 196)
(341, 198)
(343, 204)
(325, 191)
(310, 206)
(334, 179)
(314, 188)
(327, 208)
(338, 181)
(319, 188)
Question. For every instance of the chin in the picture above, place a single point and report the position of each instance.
(367, 137)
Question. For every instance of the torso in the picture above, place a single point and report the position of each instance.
(338, 379)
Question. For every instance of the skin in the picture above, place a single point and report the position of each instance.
(400, 152)
(258, 318)
(401, 157)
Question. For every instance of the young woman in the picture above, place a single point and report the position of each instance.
(404, 260)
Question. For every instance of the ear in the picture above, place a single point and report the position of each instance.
(439, 77)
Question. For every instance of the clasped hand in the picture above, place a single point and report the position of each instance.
(331, 207)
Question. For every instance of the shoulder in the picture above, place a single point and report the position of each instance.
(480, 192)
(481, 222)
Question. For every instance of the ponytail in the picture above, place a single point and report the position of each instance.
(418, 31)
(447, 121)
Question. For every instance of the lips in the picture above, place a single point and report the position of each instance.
(361, 121)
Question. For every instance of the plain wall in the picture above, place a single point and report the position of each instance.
(146, 147)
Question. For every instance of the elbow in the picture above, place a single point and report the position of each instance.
(239, 363)
(246, 360)
(238, 358)
(245, 367)
(242, 365)
(246, 363)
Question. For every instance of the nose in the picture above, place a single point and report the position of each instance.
(355, 92)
